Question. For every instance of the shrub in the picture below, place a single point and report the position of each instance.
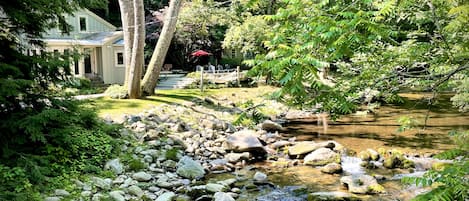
(78, 83)
(116, 92)
(451, 181)
(61, 139)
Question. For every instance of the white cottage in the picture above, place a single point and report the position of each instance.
(98, 40)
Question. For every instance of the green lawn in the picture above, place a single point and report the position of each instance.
(114, 108)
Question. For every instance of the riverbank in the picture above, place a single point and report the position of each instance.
(174, 152)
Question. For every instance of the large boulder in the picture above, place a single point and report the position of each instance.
(245, 140)
(362, 184)
(322, 156)
(302, 148)
(189, 168)
(269, 125)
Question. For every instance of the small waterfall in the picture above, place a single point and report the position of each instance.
(352, 165)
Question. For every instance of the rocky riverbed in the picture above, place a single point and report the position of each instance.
(168, 153)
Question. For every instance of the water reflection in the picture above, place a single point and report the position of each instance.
(379, 129)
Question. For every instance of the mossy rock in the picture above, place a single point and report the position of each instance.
(364, 155)
(397, 160)
(376, 188)
(440, 166)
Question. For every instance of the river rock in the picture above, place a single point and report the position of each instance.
(362, 184)
(333, 196)
(61, 192)
(115, 166)
(117, 195)
(168, 196)
(220, 196)
(332, 168)
(188, 168)
(245, 140)
(53, 198)
(321, 156)
(271, 126)
(135, 190)
(142, 176)
(101, 183)
(279, 144)
(302, 148)
(260, 177)
(236, 157)
(396, 159)
(211, 187)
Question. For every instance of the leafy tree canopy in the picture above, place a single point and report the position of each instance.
(374, 49)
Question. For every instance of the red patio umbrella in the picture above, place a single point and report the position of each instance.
(200, 53)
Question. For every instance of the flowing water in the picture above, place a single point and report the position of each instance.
(360, 132)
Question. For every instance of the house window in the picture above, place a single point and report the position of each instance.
(119, 59)
(77, 67)
(83, 23)
(233, 53)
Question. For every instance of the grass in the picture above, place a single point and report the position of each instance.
(115, 108)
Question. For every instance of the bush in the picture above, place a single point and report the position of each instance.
(451, 181)
(116, 92)
(78, 83)
(61, 139)
(233, 62)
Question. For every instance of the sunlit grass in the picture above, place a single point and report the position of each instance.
(114, 108)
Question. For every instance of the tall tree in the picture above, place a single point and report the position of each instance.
(159, 53)
(133, 25)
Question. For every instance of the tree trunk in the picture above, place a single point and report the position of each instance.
(159, 54)
(137, 60)
(127, 18)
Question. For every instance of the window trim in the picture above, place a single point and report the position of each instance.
(86, 23)
(116, 53)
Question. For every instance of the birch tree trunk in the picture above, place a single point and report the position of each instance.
(137, 60)
(157, 59)
(128, 24)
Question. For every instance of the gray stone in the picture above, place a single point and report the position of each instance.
(302, 148)
(61, 192)
(115, 166)
(227, 182)
(135, 190)
(279, 144)
(260, 177)
(322, 156)
(269, 125)
(332, 168)
(220, 196)
(98, 197)
(361, 184)
(101, 183)
(333, 196)
(86, 194)
(245, 140)
(236, 157)
(142, 176)
(168, 196)
(117, 195)
(211, 187)
(189, 168)
(52, 199)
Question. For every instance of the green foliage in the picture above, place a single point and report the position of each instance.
(78, 83)
(406, 123)
(172, 154)
(136, 164)
(232, 62)
(343, 48)
(251, 115)
(451, 182)
(53, 142)
(248, 36)
(116, 92)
